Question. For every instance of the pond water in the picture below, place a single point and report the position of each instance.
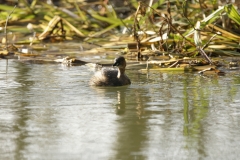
(48, 111)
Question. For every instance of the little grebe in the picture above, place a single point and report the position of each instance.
(111, 76)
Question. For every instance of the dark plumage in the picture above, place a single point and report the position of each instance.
(111, 76)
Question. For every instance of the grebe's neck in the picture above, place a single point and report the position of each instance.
(121, 72)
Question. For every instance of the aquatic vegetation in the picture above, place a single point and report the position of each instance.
(173, 29)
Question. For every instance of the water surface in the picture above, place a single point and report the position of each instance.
(48, 111)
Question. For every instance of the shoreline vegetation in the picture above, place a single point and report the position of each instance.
(154, 36)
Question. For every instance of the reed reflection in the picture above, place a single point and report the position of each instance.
(26, 102)
(203, 98)
(21, 96)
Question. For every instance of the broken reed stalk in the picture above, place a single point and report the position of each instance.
(136, 27)
(204, 55)
(205, 45)
(5, 27)
(198, 42)
(52, 25)
(185, 8)
(168, 21)
(169, 12)
(160, 32)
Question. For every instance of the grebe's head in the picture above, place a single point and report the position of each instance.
(120, 62)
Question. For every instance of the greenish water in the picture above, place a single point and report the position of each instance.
(48, 111)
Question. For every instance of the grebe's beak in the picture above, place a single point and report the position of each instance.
(116, 64)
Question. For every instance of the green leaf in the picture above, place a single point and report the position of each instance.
(213, 15)
(232, 13)
(109, 20)
(9, 8)
(208, 20)
(157, 4)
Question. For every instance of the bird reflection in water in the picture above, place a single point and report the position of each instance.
(121, 105)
